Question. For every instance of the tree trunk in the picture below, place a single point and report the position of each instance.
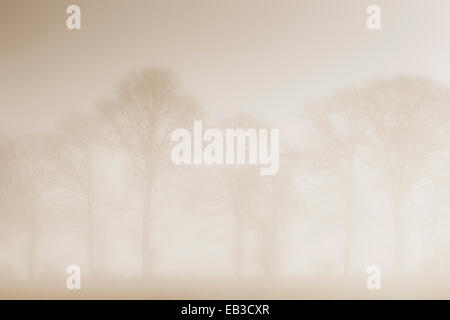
(434, 230)
(91, 228)
(270, 256)
(398, 237)
(32, 244)
(435, 244)
(348, 234)
(146, 214)
(349, 188)
(238, 242)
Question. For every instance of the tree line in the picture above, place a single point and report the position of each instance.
(379, 140)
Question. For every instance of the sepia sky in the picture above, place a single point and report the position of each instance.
(265, 57)
(371, 188)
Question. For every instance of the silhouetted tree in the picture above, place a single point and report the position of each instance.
(73, 148)
(279, 202)
(147, 108)
(32, 175)
(5, 170)
(6, 184)
(339, 126)
(409, 121)
(245, 195)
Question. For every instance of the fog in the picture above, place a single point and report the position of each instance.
(85, 149)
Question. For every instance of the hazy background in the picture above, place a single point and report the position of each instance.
(76, 190)
(257, 56)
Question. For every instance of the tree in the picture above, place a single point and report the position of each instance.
(5, 170)
(32, 175)
(251, 199)
(147, 108)
(6, 183)
(340, 127)
(409, 121)
(396, 127)
(278, 200)
(73, 148)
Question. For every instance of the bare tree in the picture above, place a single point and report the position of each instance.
(243, 190)
(248, 195)
(5, 169)
(6, 184)
(73, 149)
(279, 201)
(148, 106)
(409, 120)
(439, 195)
(339, 126)
(32, 175)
